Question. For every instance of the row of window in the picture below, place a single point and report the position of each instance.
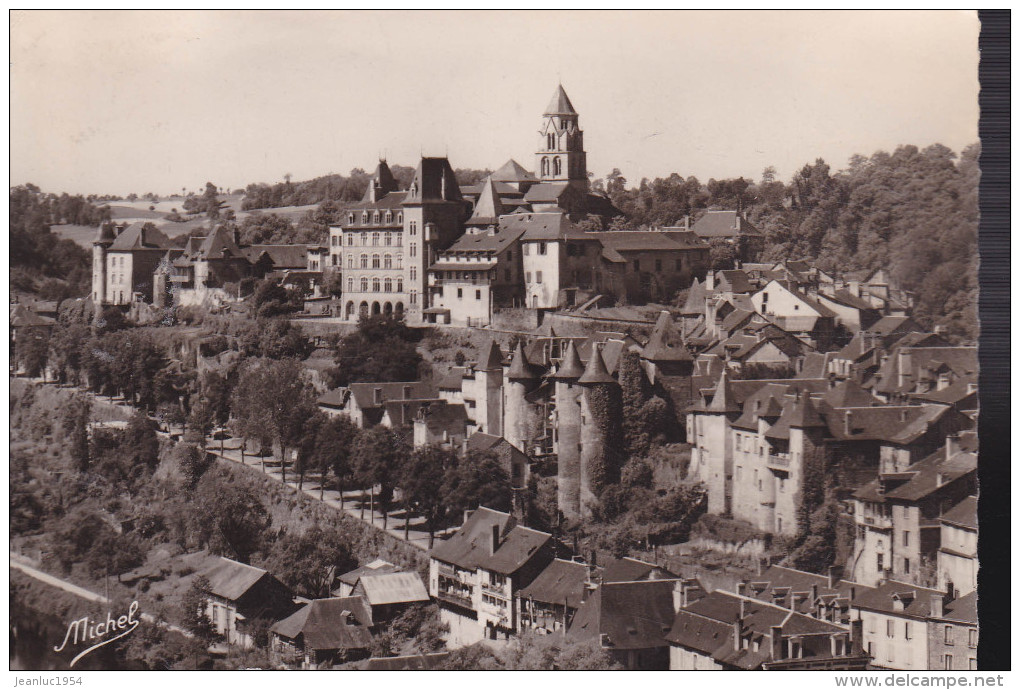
(377, 261)
(113, 261)
(376, 217)
(387, 239)
(377, 285)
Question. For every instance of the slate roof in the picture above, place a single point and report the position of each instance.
(665, 343)
(520, 368)
(469, 547)
(231, 580)
(391, 588)
(888, 325)
(954, 393)
(404, 412)
(916, 600)
(849, 393)
(452, 380)
(140, 235)
(434, 180)
(333, 398)
(695, 303)
(440, 415)
(777, 584)
(722, 224)
(546, 192)
(643, 240)
(570, 365)
(631, 615)
(560, 104)
(512, 171)
(962, 361)
(925, 477)
(377, 566)
(631, 570)
(560, 581)
(963, 514)
(595, 370)
(23, 317)
(283, 256)
(962, 609)
(543, 226)
(382, 178)
(900, 424)
(797, 414)
(324, 626)
(848, 299)
(723, 399)
(364, 393)
(489, 206)
(482, 442)
(732, 281)
(491, 357)
(393, 201)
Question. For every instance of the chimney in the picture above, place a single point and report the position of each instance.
(835, 574)
(847, 423)
(854, 287)
(687, 222)
(903, 415)
(377, 396)
(237, 236)
(857, 637)
(814, 594)
(936, 606)
(738, 626)
(467, 514)
(743, 609)
(950, 591)
(742, 588)
(494, 542)
(679, 596)
(776, 640)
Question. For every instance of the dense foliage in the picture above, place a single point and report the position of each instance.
(913, 212)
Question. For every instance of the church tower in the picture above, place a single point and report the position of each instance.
(560, 156)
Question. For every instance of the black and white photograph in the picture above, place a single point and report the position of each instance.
(496, 340)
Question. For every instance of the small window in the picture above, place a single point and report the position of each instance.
(972, 637)
(364, 260)
(375, 261)
(375, 218)
(413, 228)
(350, 218)
(414, 250)
(387, 261)
(460, 293)
(350, 261)
(375, 239)
(949, 635)
(906, 630)
(478, 294)
(906, 566)
(414, 297)
(890, 628)
(400, 217)
(350, 285)
(364, 218)
(350, 240)
(400, 284)
(388, 239)
(538, 276)
(679, 264)
(949, 662)
(542, 248)
(906, 538)
(388, 285)
(527, 248)
(527, 276)
(509, 255)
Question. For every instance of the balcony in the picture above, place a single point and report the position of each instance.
(778, 461)
(878, 521)
(456, 599)
(497, 590)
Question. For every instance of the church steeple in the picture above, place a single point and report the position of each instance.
(560, 156)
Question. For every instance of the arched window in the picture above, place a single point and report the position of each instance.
(387, 261)
(557, 169)
(364, 260)
(414, 297)
(400, 239)
(545, 167)
(388, 239)
(375, 218)
(364, 239)
(375, 261)
(389, 217)
(400, 284)
(364, 218)
(387, 285)
(414, 250)
(375, 239)
(375, 285)
(414, 273)
(364, 284)
(400, 260)
(350, 218)
(400, 217)
(350, 261)
(550, 140)
(350, 285)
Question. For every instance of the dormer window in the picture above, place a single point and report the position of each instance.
(375, 218)
(350, 218)
(364, 218)
(400, 217)
(350, 240)
(389, 216)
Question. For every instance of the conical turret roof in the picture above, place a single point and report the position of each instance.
(383, 182)
(570, 366)
(665, 343)
(493, 358)
(520, 368)
(803, 414)
(560, 104)
(723, 399)
(489, 207)
(596, 371)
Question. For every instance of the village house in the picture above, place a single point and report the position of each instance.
(551, 600)
(389, 594)
(957, 558)
(241, 594)
(322, 633)
(731, 228)
(630, 620)
(25, 325)
(366, 403)
(897, 516)
(476, 573)
(912, 628)
(725, 631)
(345, 583)
(124, 258)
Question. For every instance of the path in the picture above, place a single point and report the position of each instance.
(18, 562)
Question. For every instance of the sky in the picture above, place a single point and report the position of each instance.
(121, 102)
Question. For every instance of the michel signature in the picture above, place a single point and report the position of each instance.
(84, 631)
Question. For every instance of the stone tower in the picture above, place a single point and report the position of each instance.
(560, 156)
(601, 411)
(568, 433)
(520, 417)
(104, 238)
(715, 466)
(489, 391)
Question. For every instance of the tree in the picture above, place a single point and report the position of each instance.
(231, 519)
(33, 349)
(634, 391)
(479, 479)
(381, 349)
(211, 203)
(191, 462)
(194, 608)
(422, 486)
(77, 415)
(376, 455)
(333, 452)
(309, 562)
(139, 444)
